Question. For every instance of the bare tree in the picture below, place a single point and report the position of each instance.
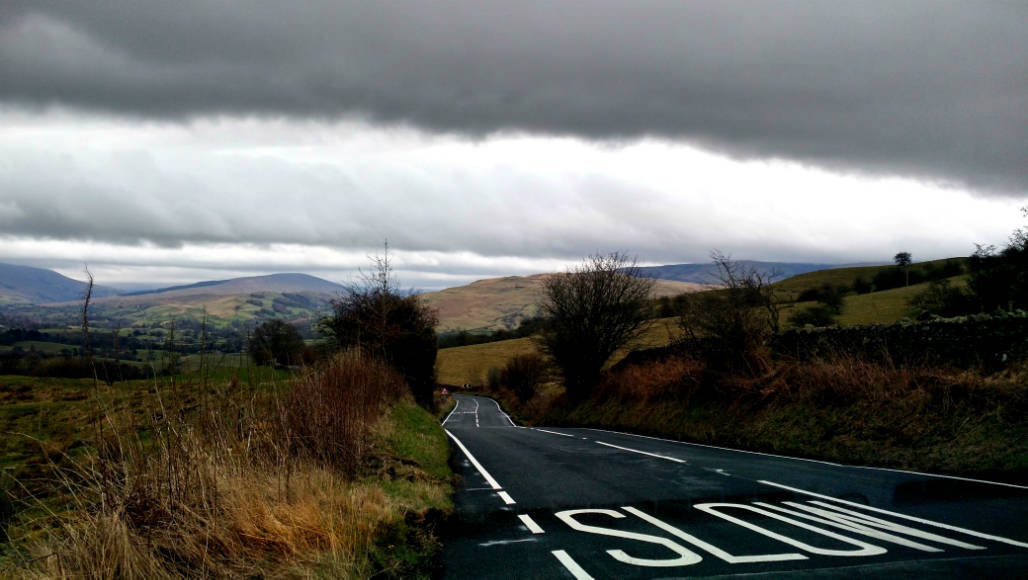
(737, 321)
(591, 312)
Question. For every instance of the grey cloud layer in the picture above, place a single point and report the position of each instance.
(936, 90)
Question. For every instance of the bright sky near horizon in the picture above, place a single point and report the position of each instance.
(164, 143)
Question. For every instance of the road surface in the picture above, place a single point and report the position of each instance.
(585, 503)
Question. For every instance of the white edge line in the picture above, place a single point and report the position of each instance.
(571, 565)
(958, 478)
(507, 499)
(675, 459)
(530, 524)
(821, 461)
(488, 478)
(982, 535)
(504, 414)
(716, 447)
(455, 405)
(555, 433)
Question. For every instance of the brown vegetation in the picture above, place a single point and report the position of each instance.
(840, 408)
(238, 481)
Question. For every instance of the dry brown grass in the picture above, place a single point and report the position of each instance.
(256, 484)
(846, 409)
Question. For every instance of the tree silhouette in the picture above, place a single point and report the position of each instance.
(903, 260)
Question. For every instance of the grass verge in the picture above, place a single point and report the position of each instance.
(847, 410)
(163, 480)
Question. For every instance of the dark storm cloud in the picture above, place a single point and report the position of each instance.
(937, 90)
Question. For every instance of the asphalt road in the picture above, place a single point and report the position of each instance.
(584, 503)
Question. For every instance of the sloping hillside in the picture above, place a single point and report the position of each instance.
(281, 283)
(502, 303)
(287, 296)
(24, 284)
(293, 297)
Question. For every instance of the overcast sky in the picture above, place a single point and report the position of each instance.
(167, 142)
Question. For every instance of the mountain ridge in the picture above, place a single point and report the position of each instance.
(27, 284)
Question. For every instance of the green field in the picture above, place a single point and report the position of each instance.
(790, 288)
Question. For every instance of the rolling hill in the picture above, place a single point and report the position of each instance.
(281, 283)
(502, 303)
(28, 285)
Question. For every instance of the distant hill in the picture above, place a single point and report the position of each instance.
(298, 298)
(286, 296)
(247, 285)
(28, 285)
(502, 303)
(707, 273)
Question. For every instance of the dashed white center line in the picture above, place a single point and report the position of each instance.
(555, 433)
(506, 497)
(571, 565)
(530, 524)
(505, 542)
(675, 459)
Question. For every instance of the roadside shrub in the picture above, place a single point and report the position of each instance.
(731, 328)
(591, 312)
(675, 377)
(400, 330)
(942, 299)
(818, 316)
(523, 374)
(327, 411)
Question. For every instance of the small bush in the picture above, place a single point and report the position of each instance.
(327, 411)
(819, 316)
(523, 374)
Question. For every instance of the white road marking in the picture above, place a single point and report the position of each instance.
(554, 433)
(485, 474)
(571, 565)
(896, 514)
(685, 556)
(476, 412)
(530, 524)
(1000, 483)
(868, 526)
(863, 548)
(505, 542)
(507, 499)
(504, 414)
(676, 460)
(730, 558)
(716, 447)
(452, 410)
(866, 467)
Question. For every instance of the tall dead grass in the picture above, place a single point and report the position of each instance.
(248, 483)
(842, 408)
